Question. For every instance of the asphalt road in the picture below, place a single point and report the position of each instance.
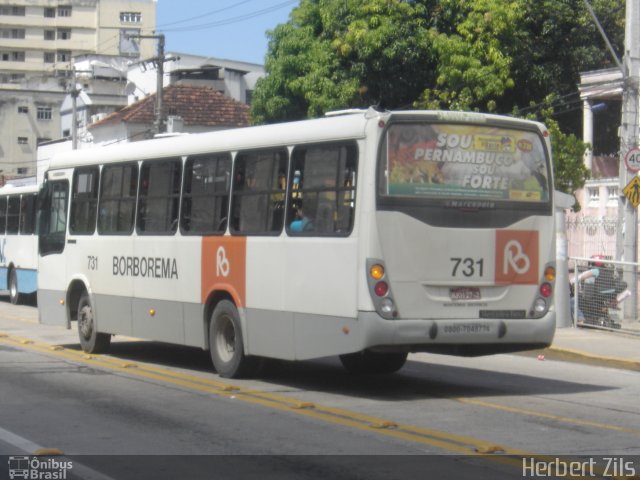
(151, 410)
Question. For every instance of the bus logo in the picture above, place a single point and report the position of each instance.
(517, 257)
(222, 263)
(18, 467)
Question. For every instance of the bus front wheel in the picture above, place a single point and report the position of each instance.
(225, 343)
(91, 340)
(14, 293)
(368, 362)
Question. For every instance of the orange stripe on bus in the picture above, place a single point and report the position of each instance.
(223, 267)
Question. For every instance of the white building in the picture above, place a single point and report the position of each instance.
(38, 40)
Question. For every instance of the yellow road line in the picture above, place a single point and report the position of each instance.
(410, 433)
(549, 416)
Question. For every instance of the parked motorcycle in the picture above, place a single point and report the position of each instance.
(601, 290)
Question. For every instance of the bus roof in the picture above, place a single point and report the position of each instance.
(336, 126)
(10, 189)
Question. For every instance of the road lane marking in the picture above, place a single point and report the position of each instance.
(410, 433)
(532, 413)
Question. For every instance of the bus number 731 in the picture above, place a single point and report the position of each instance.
(469, 267)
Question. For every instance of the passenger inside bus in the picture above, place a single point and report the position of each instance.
(301, 223)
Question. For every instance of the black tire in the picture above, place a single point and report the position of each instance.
(91, 340)
(368, 362)
(14, 294)
(226, 345)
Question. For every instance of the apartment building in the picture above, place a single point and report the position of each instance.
(38, 40)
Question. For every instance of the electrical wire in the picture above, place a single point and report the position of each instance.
(229, 21)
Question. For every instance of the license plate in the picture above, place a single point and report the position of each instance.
(464, 293)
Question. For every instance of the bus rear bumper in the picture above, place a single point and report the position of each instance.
(458, 336)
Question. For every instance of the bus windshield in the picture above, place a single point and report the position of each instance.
(464, 161)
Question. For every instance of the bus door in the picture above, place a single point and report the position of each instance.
(52, 242)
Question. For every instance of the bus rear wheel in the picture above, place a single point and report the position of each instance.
(368, 362)
(91, 340)
(226, 345)
(14, 293)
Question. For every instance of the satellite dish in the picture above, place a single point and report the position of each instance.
(130, 88)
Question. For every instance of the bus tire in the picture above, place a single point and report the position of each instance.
(14, 293)
(226, 345)
(368, 362)
(91, 340)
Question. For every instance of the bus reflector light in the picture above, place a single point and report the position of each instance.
(550, 274)
(381, 289)
(545, 290)
(152, 312)
(377, 271)
(61, 301)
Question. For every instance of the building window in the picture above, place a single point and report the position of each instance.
(594, 194)
(49, 34)
(64, 11)
(129, 44)
(23, 141)
(612, 194)
(12, 11)
(44, 113)
(130, 17)
(17, 56)
(12, 33)
(22, 170)
(49, 57)
(50, 12)
(64, 34)
(23, 109)
(63, 56)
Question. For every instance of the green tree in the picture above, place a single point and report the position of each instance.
(486, 55)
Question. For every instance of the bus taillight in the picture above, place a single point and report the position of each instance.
(380, 289)
(546, 290)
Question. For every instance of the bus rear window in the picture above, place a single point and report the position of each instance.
(456, 161)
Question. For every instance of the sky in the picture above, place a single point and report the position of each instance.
(229, 29)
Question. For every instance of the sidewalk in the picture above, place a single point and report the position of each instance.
(621, 346)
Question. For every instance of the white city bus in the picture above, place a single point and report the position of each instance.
(18, 241)
(364, 234)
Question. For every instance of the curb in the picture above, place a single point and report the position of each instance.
(592, 356)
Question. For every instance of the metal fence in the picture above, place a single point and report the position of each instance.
(587, 236)
(598, 292)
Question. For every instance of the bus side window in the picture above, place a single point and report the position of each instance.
(116, 206)
(84, 201)
(3, 214)
(257, 205)
(159, 196)
(13, 214)
(324, 183)
(205, 194)
(28, 214)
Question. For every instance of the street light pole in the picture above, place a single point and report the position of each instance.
(629, 140)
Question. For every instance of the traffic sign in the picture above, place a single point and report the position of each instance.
(632, 191)
(632, 160)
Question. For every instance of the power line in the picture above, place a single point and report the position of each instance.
(208, 14)
(228, 21)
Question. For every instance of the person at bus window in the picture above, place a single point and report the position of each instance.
(301, 223)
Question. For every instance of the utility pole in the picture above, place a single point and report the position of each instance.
(159, 123)
(628, 140)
